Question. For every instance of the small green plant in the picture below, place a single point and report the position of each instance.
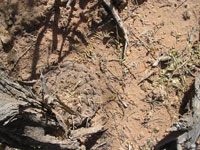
(183, 64)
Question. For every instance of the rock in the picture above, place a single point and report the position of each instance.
(5, 38)
(186, 15)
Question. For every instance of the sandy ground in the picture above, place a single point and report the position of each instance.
(135, 99)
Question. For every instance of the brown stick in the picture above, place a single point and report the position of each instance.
(120, 24)
(85, 131)
(20, 59)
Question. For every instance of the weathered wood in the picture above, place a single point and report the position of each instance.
(86, 131)
(23, 123)
(28, 121)
(9, 108)
(17, 91)
(188, 126)
(34, 139)
(194, 132)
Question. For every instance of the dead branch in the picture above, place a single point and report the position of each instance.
(22, 123)
(120, 24)
(27, 122)
(49, 99)
(85, 131)
(188, 126)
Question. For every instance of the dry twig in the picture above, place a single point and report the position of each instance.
(120, 24)
(20, 59)
(180, 5)
(85, 131)
(146, 77)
